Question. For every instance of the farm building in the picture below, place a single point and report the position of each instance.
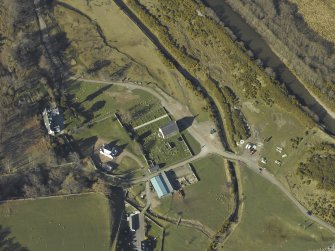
(153, 167)
(53, 120)
(161, 185)
(133, 221)
(169, 130)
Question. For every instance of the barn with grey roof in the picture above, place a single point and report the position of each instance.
(169, 130)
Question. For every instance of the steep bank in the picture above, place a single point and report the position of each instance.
(273, 58)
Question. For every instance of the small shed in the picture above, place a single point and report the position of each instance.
(169, 130)
(153, 167)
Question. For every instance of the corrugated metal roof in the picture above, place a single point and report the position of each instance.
(167, 181)
(160, 185)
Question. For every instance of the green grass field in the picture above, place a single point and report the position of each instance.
(271, 222)
(207, 201)
(156, 233)
(107, 131)
(138, 189)
(192, 142)
(96, 101)
(122, 34)
(104, 125)
(127, 165)
(184, 239)
(53, 224)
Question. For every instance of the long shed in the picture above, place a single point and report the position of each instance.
(161, 185)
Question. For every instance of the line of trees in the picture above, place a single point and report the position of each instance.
(319, 167)
(21, 91)
(31, 163)
(164, 35)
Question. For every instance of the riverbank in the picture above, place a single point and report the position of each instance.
(316, 97)
(274, 59)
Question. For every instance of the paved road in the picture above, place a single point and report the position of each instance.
(211, 145)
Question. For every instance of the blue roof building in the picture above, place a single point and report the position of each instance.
(161, 185)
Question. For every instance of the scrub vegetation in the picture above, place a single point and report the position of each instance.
(32, 165)
(319, 16)
(26, 78)
(272, 116)
(317, 170)
(319, 166)
(188, 55)
(237, 75)
(100, 26)
(309, 55)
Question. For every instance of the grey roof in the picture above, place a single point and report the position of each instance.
(153, 167)
(169, 128)
(53, 120)
(134, 221)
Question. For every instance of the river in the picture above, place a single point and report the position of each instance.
(261, 50)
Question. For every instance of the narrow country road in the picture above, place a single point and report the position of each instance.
(210, 145)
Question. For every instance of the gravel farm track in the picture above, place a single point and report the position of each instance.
(209, 144)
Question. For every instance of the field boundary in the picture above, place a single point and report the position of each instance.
(48, 197)
(151, 121)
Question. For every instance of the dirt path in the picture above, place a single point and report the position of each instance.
(151, 121)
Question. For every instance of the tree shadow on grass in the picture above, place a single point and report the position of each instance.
(8, 243)
(185, 122)
(97, 93)
(85, 147)
(89, 114)
(98, 65)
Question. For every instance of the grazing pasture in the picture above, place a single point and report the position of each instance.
(60, 223)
